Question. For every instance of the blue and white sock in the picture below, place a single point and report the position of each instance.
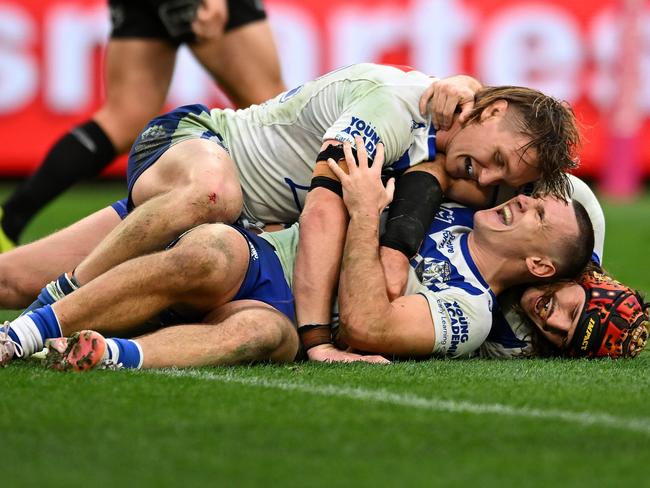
(34, 328)
(125, 352)
(54, 291)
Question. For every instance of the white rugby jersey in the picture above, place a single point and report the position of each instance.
(274, 145)
(511, 335)
(444, 272)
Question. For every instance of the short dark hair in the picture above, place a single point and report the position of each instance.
(551, 126)
(576, 251)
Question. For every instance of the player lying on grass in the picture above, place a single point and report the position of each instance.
(260, 161)
(593, 317)
(231, 289)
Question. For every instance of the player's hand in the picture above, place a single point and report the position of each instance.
(210, 19)
(443, 97)
(396, 267)
(329, 354)
(363, 190)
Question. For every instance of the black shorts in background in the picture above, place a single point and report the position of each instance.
(172, 19)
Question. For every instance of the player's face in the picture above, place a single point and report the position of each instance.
(555, 309)
(527, 225)
(491, 152)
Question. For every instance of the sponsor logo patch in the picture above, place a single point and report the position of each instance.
(447, 242)
(459, 326)
(361, 128)
(254, 255)
(445, 215)
(588, 332)
(290, 94)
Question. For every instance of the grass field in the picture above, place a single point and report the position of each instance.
(432, 423)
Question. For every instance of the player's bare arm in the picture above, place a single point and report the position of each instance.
(323, 222)
(369, 320)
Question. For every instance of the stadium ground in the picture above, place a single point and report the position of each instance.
(453, 423)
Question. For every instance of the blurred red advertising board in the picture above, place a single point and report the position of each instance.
(51, 55)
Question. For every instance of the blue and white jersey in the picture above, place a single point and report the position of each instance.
(444, 272)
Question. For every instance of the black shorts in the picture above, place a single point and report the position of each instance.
(172, 19)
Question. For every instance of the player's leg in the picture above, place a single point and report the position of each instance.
(204, 270)
(240, 332)
(138, 74)
(25, 269)
(193, 182)
(244, 61)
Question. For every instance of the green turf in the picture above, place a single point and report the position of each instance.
(436, 423)
(159, 430)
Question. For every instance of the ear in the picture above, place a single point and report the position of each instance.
(495, 109)
(540, 267)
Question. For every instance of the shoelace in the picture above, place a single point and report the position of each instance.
(5, 338)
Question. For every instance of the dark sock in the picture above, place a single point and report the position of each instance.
(80, 154)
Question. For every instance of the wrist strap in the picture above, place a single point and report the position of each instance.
(312, 335)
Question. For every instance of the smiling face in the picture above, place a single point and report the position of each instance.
(492, 151)
(528, 228)
(555, 309)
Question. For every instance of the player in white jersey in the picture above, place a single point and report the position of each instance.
(274, 145)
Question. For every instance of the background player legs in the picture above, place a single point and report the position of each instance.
(254, 81)
(243, 60)
(240, 332)
(135, 70)
(170, 197)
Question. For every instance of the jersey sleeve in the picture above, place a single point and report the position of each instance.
(461, 321)
(511, 336)
(376, 116)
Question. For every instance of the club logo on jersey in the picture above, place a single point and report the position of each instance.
(361, 128)
(432, 271)
(459, 326)
(153, 132)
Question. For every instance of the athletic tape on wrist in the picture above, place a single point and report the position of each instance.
(336, 153)
(312, 335)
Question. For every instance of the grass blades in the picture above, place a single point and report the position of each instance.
(431, 423)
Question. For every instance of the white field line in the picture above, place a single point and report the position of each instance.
(640, 425)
